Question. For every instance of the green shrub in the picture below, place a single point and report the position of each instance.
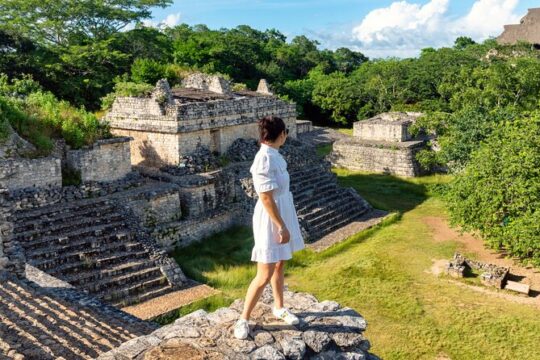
(458, 134)
(498, 193)
(39, 116)
(125, 88)
(147, 71)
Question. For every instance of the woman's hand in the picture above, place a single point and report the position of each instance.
(284, 236)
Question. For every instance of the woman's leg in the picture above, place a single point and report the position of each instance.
(264, 274)
(278, 280)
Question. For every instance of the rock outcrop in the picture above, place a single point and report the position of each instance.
(326, 331)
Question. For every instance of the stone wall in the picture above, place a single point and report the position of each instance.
(159, 208)
(162, 139)
(185, 232)
(106, 160)
(212, 83)
(381, 131)
(18, 174)
(377, 157)
(303, 126)
(527, 30)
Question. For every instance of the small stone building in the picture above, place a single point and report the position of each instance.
(527, 30)
(172, 123)
(380, 144)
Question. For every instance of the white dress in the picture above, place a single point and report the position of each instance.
(269, 171)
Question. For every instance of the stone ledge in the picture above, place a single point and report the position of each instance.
(326, 331)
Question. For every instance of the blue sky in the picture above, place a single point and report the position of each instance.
(378, 28)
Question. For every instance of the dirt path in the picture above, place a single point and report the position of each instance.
(469, 244)
(170, 302)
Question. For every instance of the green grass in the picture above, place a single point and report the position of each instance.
(382, 273)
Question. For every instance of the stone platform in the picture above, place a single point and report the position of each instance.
(326, 331)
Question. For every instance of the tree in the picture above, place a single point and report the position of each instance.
(498, 193)
(463, 42)
(347, 60)
(66, 22)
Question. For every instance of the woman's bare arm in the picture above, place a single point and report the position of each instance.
(267, 199)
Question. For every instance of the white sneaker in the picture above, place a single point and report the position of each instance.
(241, 329)
(285, 315)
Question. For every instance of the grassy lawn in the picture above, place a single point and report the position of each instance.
(382, 273)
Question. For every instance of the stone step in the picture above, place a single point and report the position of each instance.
(112, 282)
(308, 194)
(60, 208)
(90, 242)
(97, 264)
(143, 296)
(340, 204)
(46, 221)
(134, 292)
(318, 199)
(313, 181)
(320, 202)
(88, 252)
(338, 221)
(62, 228)
(97, 230)
(41, 326)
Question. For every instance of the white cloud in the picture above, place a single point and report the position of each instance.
(403, 28)
(170, 21)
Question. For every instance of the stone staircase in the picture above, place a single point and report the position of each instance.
(90, 244)
(321, 204)
(36, 324)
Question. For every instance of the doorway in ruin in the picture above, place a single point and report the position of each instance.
(215, 140)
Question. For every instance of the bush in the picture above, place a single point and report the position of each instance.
(498, 193)
(125, 88)
(38, 116)
(147, 71)
(458, 134)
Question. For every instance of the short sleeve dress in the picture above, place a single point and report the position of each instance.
(269, 171)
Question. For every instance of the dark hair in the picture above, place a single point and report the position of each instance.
(270, 127)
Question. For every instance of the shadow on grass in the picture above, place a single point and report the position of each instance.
(385, 192)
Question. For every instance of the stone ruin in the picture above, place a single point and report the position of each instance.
(326, 331)
(491, 275)
(205, 112)
(527, 30)
(103, 244)
(381, 144)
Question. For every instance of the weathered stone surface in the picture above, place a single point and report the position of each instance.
(23, 173)
(328, 332)
(106, 160)
(527, 30)
(380, 144)
(203, 113)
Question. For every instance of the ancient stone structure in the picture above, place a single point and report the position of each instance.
(105, 160)
(103, 243)
(527, 30)
(92, 238)
(43, 318)
(303, 126)
(326, 331)
(23, 173)
(492, 275)
(380, 144)
(205, 112)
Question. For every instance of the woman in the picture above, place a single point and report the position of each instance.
(275, 224)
